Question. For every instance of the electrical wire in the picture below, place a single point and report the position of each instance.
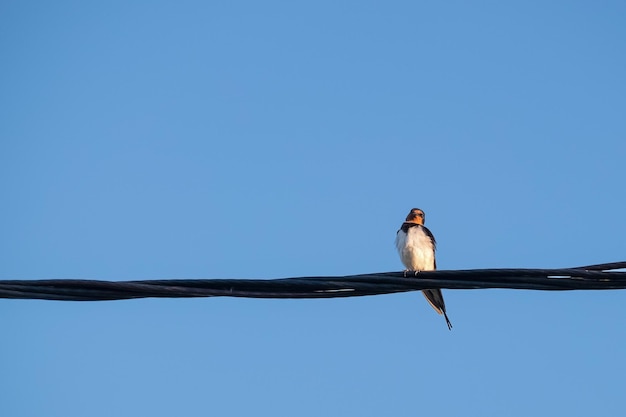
(590, 277)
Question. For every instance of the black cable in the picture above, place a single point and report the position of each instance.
(591, 277)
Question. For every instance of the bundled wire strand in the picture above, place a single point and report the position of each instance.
(591, 277)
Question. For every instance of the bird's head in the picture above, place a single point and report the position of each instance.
(416, 216)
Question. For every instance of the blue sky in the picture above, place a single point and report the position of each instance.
(145, 140)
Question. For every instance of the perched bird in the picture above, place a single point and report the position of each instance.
(416, 246)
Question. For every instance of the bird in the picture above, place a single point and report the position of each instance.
(416, 246)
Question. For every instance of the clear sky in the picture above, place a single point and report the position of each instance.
(247, 139)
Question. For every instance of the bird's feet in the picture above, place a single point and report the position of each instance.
(414, 272)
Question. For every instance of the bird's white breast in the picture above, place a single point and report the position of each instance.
(416, 249)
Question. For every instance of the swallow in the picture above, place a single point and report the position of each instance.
(416, 246)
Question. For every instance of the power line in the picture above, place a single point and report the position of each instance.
(591, 277)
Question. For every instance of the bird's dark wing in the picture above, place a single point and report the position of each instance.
(430, 235)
